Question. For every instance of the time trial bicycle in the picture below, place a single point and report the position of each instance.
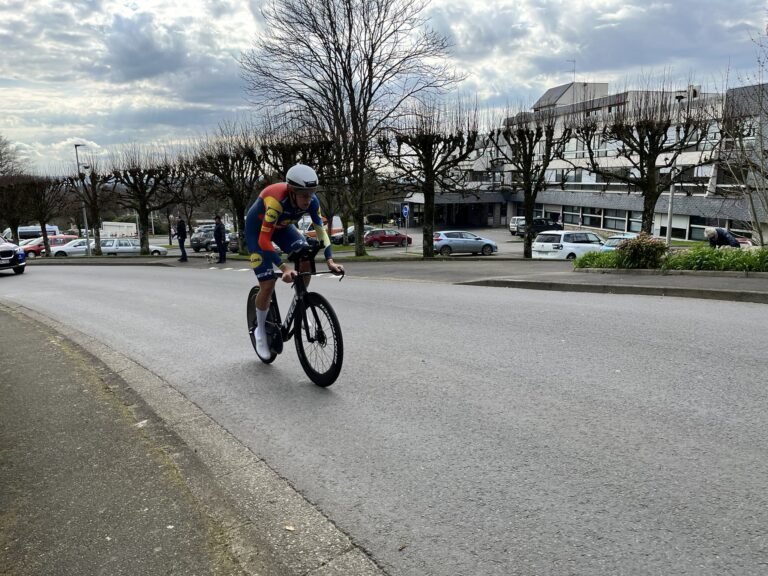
(311, 321)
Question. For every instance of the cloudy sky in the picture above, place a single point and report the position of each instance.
(106, 72)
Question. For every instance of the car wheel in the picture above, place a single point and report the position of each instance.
(196, 249)
(445, 251)
(375, 243)
(59, 254)
(31, 255)
(19, 270)
(403, 243)
(571, 256)
(487, 250)
(155, 252)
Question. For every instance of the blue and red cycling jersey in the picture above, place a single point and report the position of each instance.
(272, 218)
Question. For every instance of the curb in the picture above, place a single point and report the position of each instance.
(270, 526)
(646, 272)
(727, 295)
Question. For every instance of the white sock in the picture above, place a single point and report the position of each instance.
(261, 322)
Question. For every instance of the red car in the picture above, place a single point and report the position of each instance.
(36, 247)
(386, 236)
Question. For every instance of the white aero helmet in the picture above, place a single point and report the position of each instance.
(301, 178)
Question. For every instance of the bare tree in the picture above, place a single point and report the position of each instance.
(144, 180)
(191, 190)
(232, 158)
(47, 197)
(426, 149)
(646, 132)
(10, 160)
(345, 68)
(524, 147)
(95, 187)
(14, 203)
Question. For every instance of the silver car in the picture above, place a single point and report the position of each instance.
(73, 248)
(127, 246)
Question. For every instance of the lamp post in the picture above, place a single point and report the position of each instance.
(82, 202)
(673, 173)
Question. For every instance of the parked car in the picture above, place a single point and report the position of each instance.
(233, 243)
(539, 225)
(450, 242)
(128, 246)
(12, 257)
(565, 245)
(613, 241)
(338, 238)
(517, 225)
(73, 248)
(35, 246)
(386, 236)
(202, 239)
(306, 227)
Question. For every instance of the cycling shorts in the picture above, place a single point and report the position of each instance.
(289, 239)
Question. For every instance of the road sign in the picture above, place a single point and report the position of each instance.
(405, 210)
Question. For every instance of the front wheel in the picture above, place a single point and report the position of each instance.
(319, 344)
(19, 270)
(487, 250)
(571, 256)
(275, 341)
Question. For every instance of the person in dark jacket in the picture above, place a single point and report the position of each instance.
(220, 237)
(721, 237)
(181, 234)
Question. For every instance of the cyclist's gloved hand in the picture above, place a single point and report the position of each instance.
(335, 268)
(288, 274)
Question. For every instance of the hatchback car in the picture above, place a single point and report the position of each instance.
(457, 241)
(128, 246)
(339, 237)
(613, 241)
(12, 257)
(565, 245)
(35, 247)
(73, 248)
(386, 237)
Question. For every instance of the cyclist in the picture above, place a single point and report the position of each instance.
(272, 218)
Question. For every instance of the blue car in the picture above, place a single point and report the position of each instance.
(615, 240)
(12, 257)
(457, 241)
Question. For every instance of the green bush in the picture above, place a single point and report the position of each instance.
(596, 260)
(641, 252)
(705, 258)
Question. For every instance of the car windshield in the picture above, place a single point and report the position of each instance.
(614, 241)
(548, 238)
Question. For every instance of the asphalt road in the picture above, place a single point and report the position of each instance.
(475, 430)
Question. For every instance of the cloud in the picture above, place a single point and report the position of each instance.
(140, 48)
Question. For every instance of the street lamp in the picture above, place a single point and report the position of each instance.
(82, 202)
(673, 173)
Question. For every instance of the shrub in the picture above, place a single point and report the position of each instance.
(596, 260)
(641, 252)
(705, 258)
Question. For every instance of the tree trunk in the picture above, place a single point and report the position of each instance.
(428, 230)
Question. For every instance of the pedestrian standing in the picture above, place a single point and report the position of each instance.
(220, 237)
(181, 234)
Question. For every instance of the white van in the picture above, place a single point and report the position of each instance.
(26, 232)
(305, 226)
(517, 225)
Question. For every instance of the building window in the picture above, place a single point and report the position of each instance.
(615, 219)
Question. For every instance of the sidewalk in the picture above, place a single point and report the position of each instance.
(94, 481)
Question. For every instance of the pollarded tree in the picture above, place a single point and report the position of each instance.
(47, 198)
(427, 148)
(95, 186)
(232, 160)
(144, 179)
(345, 67)
(643, 138)
(14, 202)
(525, 146)
(10, 160)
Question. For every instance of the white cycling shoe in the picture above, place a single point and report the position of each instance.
(262, 346)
